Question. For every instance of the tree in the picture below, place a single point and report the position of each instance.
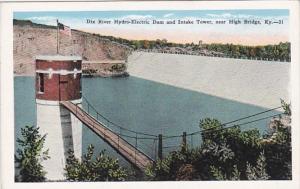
(221, 155)
(178, 165)
(31, 154)
(146, 44)
(277, 146)
(231, 154)
(219, 175)
(286, 107)
(259, 171)
(100, 168)
(164, 41)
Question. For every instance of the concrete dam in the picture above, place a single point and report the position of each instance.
(255, 82)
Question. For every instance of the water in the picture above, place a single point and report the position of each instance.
(144, 106)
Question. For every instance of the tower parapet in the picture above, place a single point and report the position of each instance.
(58, 78)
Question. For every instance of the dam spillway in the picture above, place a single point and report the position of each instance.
(255, 82)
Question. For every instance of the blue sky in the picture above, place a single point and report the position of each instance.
(212, 33)
(157, 14)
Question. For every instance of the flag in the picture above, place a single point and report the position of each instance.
(64, 29)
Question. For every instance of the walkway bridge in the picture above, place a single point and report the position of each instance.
(130, 152)
(114, 134)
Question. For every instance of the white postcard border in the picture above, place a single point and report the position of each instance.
(7, 89)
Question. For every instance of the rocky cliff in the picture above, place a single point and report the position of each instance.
(32, 39)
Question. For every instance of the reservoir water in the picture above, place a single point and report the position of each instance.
(144, 106)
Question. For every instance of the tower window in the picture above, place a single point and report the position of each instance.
(41, 83)
(80, 84)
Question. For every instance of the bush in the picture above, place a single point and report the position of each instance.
(231, 154)
(30, 156)
(102, 168)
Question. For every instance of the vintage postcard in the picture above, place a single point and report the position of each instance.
(133, 94)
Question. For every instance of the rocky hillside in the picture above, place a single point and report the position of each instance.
(32, 39)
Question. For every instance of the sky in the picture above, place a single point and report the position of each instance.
(246, 34)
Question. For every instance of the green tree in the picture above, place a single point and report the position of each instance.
(221, 156)
(277, 146)
(146, 44)
(30, 155)
(259, 171)
(100, 168)
(286, 107)
(231, 154)
(178, 165)
(219, 175)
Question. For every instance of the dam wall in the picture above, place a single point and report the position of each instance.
(255, 82)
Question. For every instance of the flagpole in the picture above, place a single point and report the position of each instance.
(57, 37)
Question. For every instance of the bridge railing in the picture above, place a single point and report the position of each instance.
(142, 142)
(108, 131)
(156, 147)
